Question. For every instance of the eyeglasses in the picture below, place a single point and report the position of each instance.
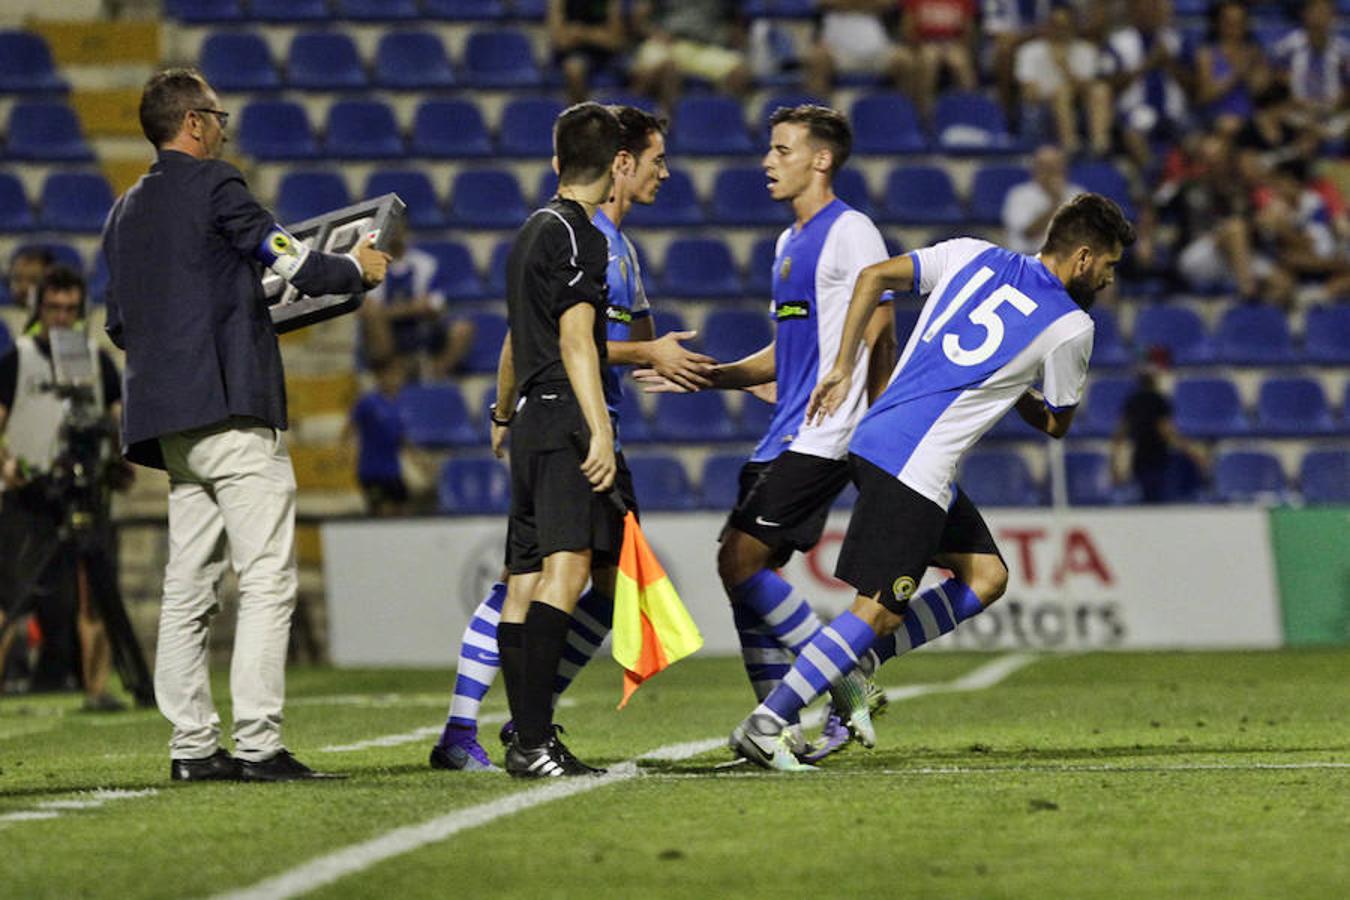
(221, 115)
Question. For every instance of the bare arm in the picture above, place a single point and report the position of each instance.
(880, 338)
(1031, 407)
(505, 404)
(582, 362)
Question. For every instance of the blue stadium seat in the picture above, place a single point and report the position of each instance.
(1102, 177)
(414, 188)
(999, 478)
(692, 418)
(204, 12)
(548, 186)
(1247, 476)
(1326, 335)
(1087, 475)
(730, 334)
(412, 60)
(75, 201)
(667, 320)
(376, 10)
(771, 105)
(499, 59)
(6, 339)
(851, 187)
(759, 281)
(633, 425)
(324, 61)
(487, 198)
(886, 123)
(529, 9)
(43, 131)
(362, 129)
(478, 485)
(700, 267)
(755, 417)
(496, 273)
(719, 483)
(661, 483)
(465, 10)
(676, 204)
(304, 195)
(989, 189)
(238, 61)
(489, 332)
(1324, 476)
(290, 11)
(1209, 408)
(15, 213)
(1293, 407)
(1108, 347)
(1177, 329)
(26, 65)
(527, 127)
(709, 125)
(276, 130)
(921, 195)
(456, 276)
(1100, 412)
(435, 415)
(450, 129)
(1253, 336)
(740, 197)
(971, 123)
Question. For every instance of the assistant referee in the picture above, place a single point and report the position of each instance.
(562, 442)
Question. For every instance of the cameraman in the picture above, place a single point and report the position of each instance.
(31, 417)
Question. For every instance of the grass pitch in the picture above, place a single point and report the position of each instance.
(1105, 775)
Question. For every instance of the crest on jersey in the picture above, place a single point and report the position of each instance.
(623, 268)
(785, 268)
(903, 588)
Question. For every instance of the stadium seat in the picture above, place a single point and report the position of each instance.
(15, 213)
(488, 334)
(921, 195)
(886, 123)
(376, 10)
(412, 60)
(456, 276)
(362, 129)
(633, 425)
(1327, 335)
(415, 189)
(661, 483)
(755, 417)
(759, 281)
(238, 61)
(730, 334)
(529, 9)
(303, 195)
(1324, 476)
(1176, 329)
(548, 186)
(276, 130)
(1088, 478)
(75, 201)
(772, 104)
(487, 198)
(6, 339)
(998, 478)
(46, 132)
(435, 415)
(1101, 408)
(719, 483)
(692, 418)
(496, 273)
(26, 65)
(204, 12)
(499, 59)
(668, 320)
(676, 204)
(1293, 407)
(851, 187)
(1102, 177)
(1246, 476)
(709, 125)
(478, 485)
(740, 197)
(1108, 347)
(450, 129)
(290, 11)
(1209, 408)
(324, 61)
(1253, 336)
(971, 123)
(465, 10)
(527, 127)
(989, 189)
(701, 268)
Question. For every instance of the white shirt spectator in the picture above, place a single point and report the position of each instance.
(1023, 205)
(1036, 64)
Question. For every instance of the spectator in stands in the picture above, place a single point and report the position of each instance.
(1006, 25)
(26, 269)
(1029, 206)
(1057, 75)
(854, 37)
(586, 36)
(1147, 449)
(1297, 228)
(405, 316)
(376, 423)
(1276, 130)
(1230, 69)
(681, 38)
(1141, 64)
(938, 37)
(1315, 62)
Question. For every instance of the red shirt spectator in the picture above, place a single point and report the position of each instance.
(939, 20)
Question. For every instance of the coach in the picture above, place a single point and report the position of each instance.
(205, 399)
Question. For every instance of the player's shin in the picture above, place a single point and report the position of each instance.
(784, 611)
(830, 656)
(930, 615)
(476, 669)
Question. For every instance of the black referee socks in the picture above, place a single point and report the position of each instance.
(545, 637)
(511, 653)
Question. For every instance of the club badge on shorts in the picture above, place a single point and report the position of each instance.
(903, 588)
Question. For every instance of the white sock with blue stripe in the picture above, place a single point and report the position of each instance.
(830, 655)
(477, 667)
(932, 614)
(766, 661)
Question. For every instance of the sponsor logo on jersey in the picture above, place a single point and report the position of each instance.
(793, 309)
(281, 244)
(620, 314)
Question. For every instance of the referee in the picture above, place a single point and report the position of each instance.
(562, 442)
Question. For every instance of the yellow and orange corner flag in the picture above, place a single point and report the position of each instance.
(652, 629)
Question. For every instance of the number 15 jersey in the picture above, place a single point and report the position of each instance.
(995, 323)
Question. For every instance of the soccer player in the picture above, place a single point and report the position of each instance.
(799, 467)
(995, 323)
(640, 169)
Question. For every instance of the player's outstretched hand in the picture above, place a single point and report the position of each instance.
(599, 466)
(680, 365)
(828, 396)
(373, 262)
(654, 382)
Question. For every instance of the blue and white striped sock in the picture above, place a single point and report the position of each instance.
(783, 610)
(478, 665)
(932, 614)
(591, 621)
(830, 655)
(766, 661)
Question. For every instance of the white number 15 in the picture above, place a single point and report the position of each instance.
(985, 315)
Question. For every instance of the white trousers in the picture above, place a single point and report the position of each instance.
(231, 490)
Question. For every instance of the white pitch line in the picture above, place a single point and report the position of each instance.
(408, 737)
(355, 858)
(52, 809)
(1023, 770)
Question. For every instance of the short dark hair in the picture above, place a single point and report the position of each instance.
(585, 139)
(636, 127)
(1091, 220)
(825, 125)
(39, 252)
(168, 97)
(61, 277)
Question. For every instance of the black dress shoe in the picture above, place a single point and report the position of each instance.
(282, 767)
(219, 766)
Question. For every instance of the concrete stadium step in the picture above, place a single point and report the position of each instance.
(101, 43)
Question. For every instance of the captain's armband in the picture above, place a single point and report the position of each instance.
(281, 252)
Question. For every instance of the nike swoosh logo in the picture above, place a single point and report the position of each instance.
(760, 520)
(548, 396)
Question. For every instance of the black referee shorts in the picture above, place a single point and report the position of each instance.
(895, 532)
(785, 502)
